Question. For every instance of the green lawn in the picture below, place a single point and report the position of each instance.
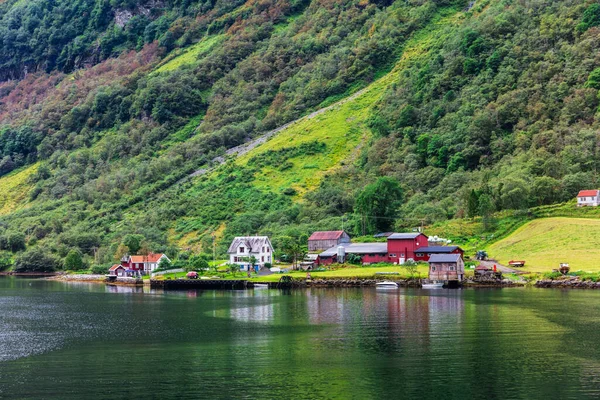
(544, 243)
(348, 272)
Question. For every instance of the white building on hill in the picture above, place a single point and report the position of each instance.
(243, 248)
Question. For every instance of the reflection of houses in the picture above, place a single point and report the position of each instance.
(399, 248)
(446, 267)
(320, 241)
(142, 263)
(243, 248)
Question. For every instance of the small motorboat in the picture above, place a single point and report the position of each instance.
(386, 284)
(433, 285)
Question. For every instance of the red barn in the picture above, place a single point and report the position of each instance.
(423, 253)
(323, 240)
(402, 246)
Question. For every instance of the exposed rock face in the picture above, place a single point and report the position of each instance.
(123, 16)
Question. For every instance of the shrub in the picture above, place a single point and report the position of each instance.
(37, 260)
(73, 261)
(99, 269)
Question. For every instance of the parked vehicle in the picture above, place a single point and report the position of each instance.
(481, 255)
(192, 275)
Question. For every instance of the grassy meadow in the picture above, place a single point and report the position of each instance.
(544, 243)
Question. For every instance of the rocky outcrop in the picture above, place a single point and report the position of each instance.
(79, 278)
(567, 283)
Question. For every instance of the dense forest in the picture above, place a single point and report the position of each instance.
(107, 107)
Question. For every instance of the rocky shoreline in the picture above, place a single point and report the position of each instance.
(567, 283)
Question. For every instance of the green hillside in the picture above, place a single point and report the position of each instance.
(547, 242)
(402, 113)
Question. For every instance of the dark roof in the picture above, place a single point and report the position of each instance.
(482, 268)
(440, 258)
(410, 235)
(326, 235)
(357, 248)
(436, 249)
(383, 234)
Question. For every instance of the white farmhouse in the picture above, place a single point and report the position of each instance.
(243, 248)
(588, 198)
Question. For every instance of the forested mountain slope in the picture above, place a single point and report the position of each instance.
(466, 111)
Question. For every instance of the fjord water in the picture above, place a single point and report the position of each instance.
(61, 340)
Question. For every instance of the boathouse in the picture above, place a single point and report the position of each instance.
(446, 267)
(324, 240)
(117, 270)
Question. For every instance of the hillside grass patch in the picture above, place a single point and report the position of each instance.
(547, 242)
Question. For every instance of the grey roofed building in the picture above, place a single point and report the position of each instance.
(252, 243)
(411, 235)
(436, 249)
(444, 258)
(357, 248)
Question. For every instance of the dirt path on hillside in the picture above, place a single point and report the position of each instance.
(244, 148)
(502, 268)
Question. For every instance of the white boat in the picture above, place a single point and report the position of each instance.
(433, 285)
(387, 284)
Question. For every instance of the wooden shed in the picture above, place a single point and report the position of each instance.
(446, 267)
(323, 240)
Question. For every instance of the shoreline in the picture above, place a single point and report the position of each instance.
(564, 283)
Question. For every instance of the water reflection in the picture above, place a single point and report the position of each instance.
(315, 343)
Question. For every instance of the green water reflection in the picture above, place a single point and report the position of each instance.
(85, 340)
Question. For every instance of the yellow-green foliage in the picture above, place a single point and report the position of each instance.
(544, 243)
(341, 127)
(14, 188)
(191, 54)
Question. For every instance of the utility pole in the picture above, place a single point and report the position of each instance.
(214, 251)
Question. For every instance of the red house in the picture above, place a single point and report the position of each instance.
(402, 246)
(144, 263)
(423, 253)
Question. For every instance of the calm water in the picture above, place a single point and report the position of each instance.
(62, 341)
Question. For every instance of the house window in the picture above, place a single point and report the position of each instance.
(451, 268)
(432, 268)
(241, 249)
(268, 250)
(263, 249)
(419, 254)
(263, 258)
(402, 255)
(392, 255)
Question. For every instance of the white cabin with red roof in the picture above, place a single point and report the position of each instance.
(589, 198)
(143, 263)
